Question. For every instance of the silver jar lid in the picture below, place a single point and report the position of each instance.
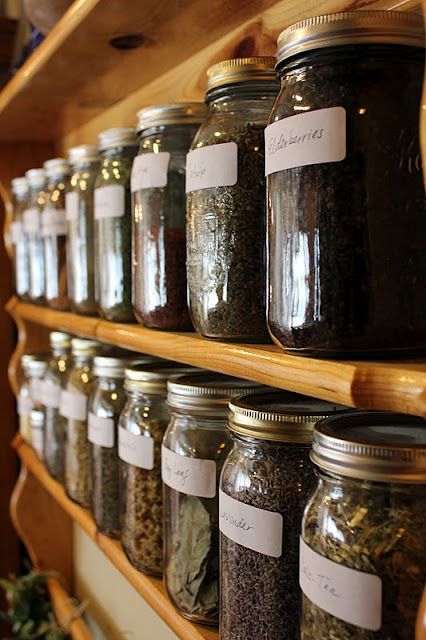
(369, 445)
(240, 70)
(83, 153)
(36, 178)
(34, 366)
(112, 366)
(351, 27)
(59, 340)
(20, 185)
(279, 415)
(118, 137)
(36, 418)
(151, 378)
(81, 346)
(56, 167)
(175, 113)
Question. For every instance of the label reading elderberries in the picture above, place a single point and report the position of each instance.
(213, 166)
(192, 476)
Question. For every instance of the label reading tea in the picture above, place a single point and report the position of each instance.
(308, 138)
(15, 232)
(149, 171)
(110, 202)
(73, 405)
(254, 528)
(136, 450)
(51, 392)
(31, 220)
(192, 476)
(212, 166)
(53, 223)
(100, 430)
(25, 404)
(347, 594)
(37, 441)
(71, 206)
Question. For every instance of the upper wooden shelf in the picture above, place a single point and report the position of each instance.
(390, 385)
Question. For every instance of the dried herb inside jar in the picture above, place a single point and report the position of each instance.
(105, 483)
(78, 463)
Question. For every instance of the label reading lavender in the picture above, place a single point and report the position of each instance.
(53, 223)
(347, 594)
(71, 206)
(192, 476)
(308, 138)
(254, 528)
(136, 450)
(31, 220)
(51, 392)
(100, 430)
(110, 201)
(212, 166)
(149, 171)
(73, 405)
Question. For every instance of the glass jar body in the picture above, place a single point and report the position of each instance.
(346, 270)
(226, 263)
(113, 226)
(191, 520)
(79, 201)
(32, 226)
(374, 528)
(25, 405)
(19, 238)
(54, 230)
(55, 425)
(141, 490)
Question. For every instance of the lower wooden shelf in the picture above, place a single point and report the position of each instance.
(151, 589)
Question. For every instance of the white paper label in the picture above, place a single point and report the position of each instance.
(149, 171)
(15, 232)
(51, 393)
(308, 138)
(350, 595)
(100, 430)
(36, 390)
(136, 450)
(212, 166)
(73, 405)
(71, 206)
(192, 476)
(110, 201)
(254, 528)
(53, 223)
(25, 404)
(37, 441)
(31, 220)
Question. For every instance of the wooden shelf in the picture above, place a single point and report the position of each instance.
(151, 589)
(389, 385)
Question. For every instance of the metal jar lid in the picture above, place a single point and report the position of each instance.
(351, 27)
(34, 366)
(36, 418)
(56, 167)
(176, 113)
(83, 153)
(112, 366)
(369, 445)
(118, 137)
(240, 70)
(59, 340)
(279, 415)
(80, 346)
(36, 178)
(151, 378)
(19, 185)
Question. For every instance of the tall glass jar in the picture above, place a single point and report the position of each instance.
(28, 391)
(31, 218)
(362, 549)
(141, 430)
(159, 214)
(84, 161)
(226, 202)
(265, 483)
(37, 431)
(19, 238)
(194, 448)
(113, 225)
(347, 275)
(73, 406)
(54, 229)
(55, 423)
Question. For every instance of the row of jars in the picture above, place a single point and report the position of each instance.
(338, 224)
(290, 517)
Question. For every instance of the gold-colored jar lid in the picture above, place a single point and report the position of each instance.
(280, 416)
(59, 340)
(370, 445)
(151, 376)
(83, 153)
(175, 113)
(240, 70)
(117, 137)
(351, 27)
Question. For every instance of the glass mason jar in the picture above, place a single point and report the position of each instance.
(226, 202)
(19, 238)
(29, 392)
(362, 550)
(113, 225)
(347, 275)
(54, 229)
(73, 406)
(37, 431)
(142, 425)
(194, 448)
(31, 218)
(159, 214)
(265, 483)
(84, 161)
(55, 423)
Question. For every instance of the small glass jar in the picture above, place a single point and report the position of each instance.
(113, 225)
(142, 425)
(345, 188)
(194, 448)
(73, 406)
(28, 390)
(55, 424)
(31, 218)
(226, 220)
(84, 161)
(265, 483)
(19, 238)
(159, 214)
(37, 431)
(362, 549)
(54, 229)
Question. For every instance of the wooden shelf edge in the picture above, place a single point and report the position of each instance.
(66, 612)
(151, 589)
